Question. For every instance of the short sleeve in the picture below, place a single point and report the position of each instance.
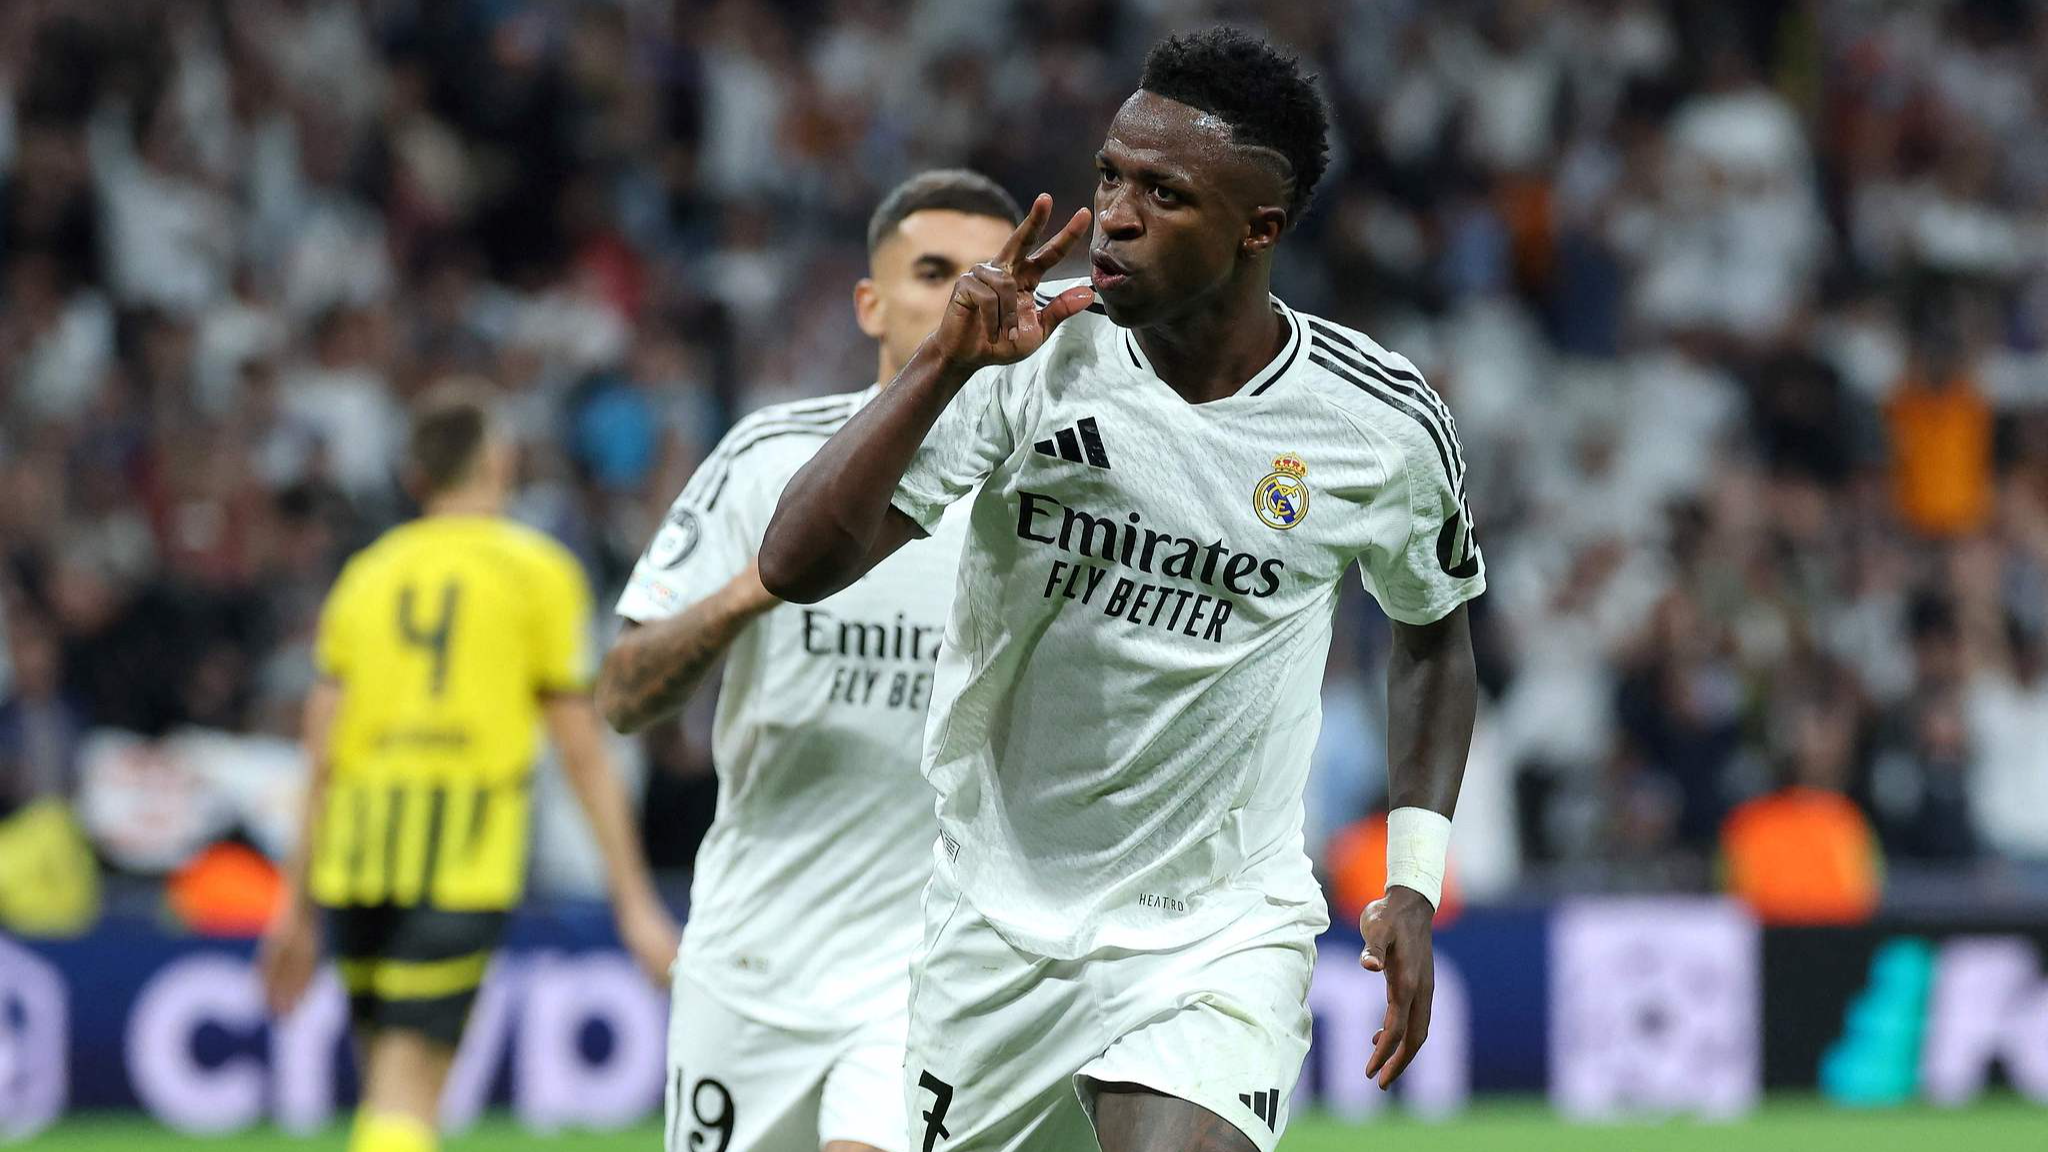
(562, 640)
(710, 533)
(1429, 562)
(334, 640)
(977, 431)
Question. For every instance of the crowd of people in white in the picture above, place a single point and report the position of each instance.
(1743, 309)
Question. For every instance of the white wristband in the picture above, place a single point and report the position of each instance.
(1418, 842)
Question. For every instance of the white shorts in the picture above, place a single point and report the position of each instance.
(737, 1085)
(1007, 1048)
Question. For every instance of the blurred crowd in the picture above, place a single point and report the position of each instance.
(1742, 305)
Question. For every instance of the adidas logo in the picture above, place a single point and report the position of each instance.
(1081, 444)
(1265, 1105)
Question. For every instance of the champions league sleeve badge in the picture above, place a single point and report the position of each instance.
(676, 540)
(1281, 497)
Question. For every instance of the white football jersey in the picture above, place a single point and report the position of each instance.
(804, 904)
(1130, 690)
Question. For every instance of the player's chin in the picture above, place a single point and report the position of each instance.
(1125, 307)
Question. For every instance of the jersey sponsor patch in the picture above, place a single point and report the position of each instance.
(1129, 543)
(1281, 496)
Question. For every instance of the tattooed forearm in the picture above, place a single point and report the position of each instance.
(654, 668)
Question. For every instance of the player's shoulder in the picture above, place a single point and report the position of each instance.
(1357, 371)
(813, 416)
(772, 442)
(534, 546)
(389, 550)
(526, 555)
(1092, 321)
(1378, 389)
(765, 448)
(1084, 342)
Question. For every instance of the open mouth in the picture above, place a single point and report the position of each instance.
(1107, 272)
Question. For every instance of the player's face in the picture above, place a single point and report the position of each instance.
(910, 276)
(1179, 211)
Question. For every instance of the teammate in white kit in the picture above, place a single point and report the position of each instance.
(787, 1028)
(1173, 472)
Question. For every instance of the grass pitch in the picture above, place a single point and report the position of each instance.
(1784, 1125)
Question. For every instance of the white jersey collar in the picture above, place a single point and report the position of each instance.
(1262, 380)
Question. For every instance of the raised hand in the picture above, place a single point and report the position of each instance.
(993, 317)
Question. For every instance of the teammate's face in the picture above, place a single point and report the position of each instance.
(1180, 210)
(910, 277)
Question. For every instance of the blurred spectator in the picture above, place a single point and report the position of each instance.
(1680, 710)
(40, 726)
(349, 404)
(1805, 854)
(58, 342)
(1941, 446)
(1742, 312)
(1921, 780)
(2005, 699)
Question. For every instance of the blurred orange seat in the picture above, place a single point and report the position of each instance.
(1941, 457)
(1803, 856)
(226, 890)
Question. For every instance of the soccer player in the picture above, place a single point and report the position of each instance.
(443, 649)
(1172, 472)
(787, 1025)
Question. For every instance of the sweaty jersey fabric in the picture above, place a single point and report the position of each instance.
(1126, 706)
(804, 909)
(444, 636)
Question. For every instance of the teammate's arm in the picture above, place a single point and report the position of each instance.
(653, 668)
(1432, 697)
(290, 951)
(561, 680)
(835, 521)
(645, 926)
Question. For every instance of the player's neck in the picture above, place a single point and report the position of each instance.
(886, 366)
(477, 501)
(1210, 353)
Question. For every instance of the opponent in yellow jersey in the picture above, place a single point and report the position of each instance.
(454, 629)
(444, 648)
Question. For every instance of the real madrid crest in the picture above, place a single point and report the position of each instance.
(1281, 498)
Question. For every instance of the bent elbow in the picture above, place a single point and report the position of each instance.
(789, 575)
(787, 581)
(611, 703)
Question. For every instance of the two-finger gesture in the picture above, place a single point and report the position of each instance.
(993, 317)
(1397, 931)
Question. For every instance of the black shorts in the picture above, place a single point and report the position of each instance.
(414, 968)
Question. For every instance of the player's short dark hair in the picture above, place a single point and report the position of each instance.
(1252, 86)
(943, 189)
(449, 426)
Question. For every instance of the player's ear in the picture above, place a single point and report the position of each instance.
(867, 308)
(1267, 225)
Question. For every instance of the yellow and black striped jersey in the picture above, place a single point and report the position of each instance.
(444, 635)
